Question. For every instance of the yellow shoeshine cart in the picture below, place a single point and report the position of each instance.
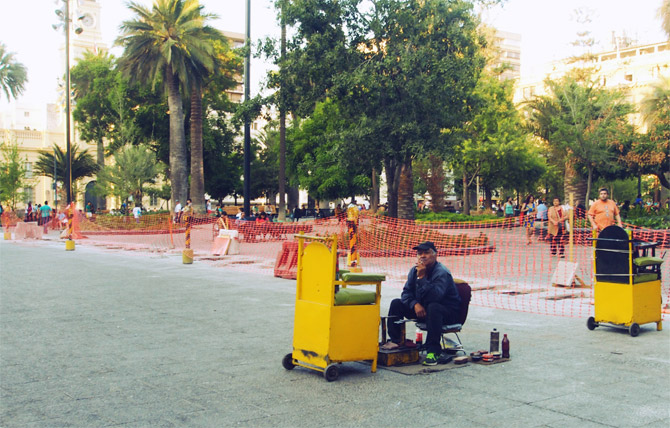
(627, 288)
(333, 322)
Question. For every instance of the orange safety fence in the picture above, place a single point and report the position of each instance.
(493, 256)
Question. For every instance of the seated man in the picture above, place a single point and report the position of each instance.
(429, 295)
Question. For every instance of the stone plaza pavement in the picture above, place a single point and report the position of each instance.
(108, 338)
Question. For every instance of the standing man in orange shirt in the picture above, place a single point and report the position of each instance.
(604, 212)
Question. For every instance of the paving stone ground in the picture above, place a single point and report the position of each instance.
(109, 338)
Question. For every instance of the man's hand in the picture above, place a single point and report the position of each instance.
(420, 270)
(420, 310)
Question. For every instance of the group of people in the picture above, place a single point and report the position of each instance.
(602, 213)
(182, 212)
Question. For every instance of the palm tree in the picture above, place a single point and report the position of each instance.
(13, 75)
(655, 109)
(83, 164)
(159, 46)
(205, 61)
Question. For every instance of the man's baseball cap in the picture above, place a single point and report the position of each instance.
(425, 246)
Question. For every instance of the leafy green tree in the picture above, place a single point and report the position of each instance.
(12, 173)
(83, 164)
(134, 167)
(493, 145)
(13, 74)
(222, 154)
(94, 81)
(415, 79)
(320, 156)
(159, 46)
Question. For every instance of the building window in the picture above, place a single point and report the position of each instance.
(153, 200)
(28, 195)
(511, 54)
(628, 77)
(26, 114)
(29, 170)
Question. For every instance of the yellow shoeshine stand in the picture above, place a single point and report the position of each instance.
(333, 323)
(627, 289)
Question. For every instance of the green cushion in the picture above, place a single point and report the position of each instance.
(647, 261)
(644, 277)
(361, 277)
(352, 296)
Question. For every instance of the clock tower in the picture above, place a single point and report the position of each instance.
(85, 17)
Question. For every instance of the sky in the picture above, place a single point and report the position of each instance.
(546, 27)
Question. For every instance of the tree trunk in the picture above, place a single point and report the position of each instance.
(435, 183)
(101, 201)
(282, 123)
(392, 168)
(572, 182)
(374, 194)
(293, 197)
(197, 167)
(466, 196)
(406, 192)
(588, 185)
(178, 176)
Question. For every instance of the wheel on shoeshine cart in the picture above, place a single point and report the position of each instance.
(331, 373)
(634, 329)
(287, 362)
(591, 323)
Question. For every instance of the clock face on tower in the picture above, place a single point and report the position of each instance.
(88, 20)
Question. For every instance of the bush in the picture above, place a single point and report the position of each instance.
(639, 216)
(453, 217)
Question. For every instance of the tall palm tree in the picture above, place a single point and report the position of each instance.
(13, 75)
(159, 47)
(204, 62)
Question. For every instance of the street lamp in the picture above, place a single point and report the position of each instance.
(64, 16)
(247, 124)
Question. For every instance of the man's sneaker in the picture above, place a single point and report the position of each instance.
(431, 359)
(444, 358)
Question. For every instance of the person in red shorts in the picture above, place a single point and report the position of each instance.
(604, 212)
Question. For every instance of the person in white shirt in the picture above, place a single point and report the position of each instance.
(137, 212)
(177, 212)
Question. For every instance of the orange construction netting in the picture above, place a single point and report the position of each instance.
(494, 257)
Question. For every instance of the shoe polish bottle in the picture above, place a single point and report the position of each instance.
(505, 346)
(419, 337)
(495, 341)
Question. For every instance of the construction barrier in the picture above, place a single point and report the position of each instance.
(286, 265)
(493, 256)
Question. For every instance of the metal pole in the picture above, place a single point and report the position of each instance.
(55, 183)
(68, 174)
(247, 124)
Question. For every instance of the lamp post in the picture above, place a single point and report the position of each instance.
(247, 124)
(55, 183)
(64, 15)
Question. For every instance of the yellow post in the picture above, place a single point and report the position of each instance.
(69, 244)
(571, 215)
(187, 254)
(353, 261)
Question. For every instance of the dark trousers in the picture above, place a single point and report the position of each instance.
(436, 316)
(558, 243)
